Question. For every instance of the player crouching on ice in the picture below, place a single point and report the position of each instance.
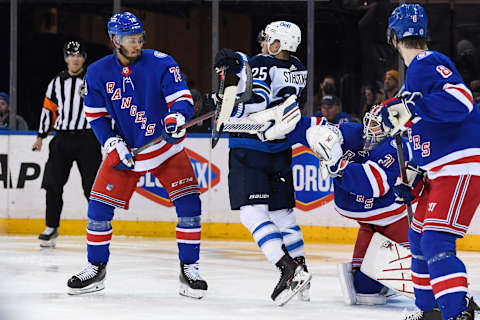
(363, 162)
(145, 94)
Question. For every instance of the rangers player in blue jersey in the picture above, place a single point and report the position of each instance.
(260, 176)
(145, 94)
(442, 121)
(363, 162)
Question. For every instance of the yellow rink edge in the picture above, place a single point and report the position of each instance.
(210, 231)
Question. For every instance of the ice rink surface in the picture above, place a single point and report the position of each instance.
(142, 283)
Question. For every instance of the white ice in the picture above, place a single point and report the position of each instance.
(142, 283)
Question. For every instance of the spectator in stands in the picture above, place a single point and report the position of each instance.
(466, 61)
(327, 87)
(390, 83)
(5, 114)
(200, 108)
(261, 41)
(331, 108)
(475, 88)
(371, 96)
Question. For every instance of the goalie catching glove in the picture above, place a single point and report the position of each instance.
(326, 140)
(398, 112)
(409, 190)
(119, 155)
(172, 123)
(283, 119)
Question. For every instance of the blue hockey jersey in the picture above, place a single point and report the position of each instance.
(274, 80)
(445, 136)
(136, 97)
(363, 192)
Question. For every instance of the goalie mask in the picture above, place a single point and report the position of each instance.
(372, 128)
(287, 33)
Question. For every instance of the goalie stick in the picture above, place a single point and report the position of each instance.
(244, 97)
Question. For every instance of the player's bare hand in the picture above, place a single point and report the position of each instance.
(37, 145)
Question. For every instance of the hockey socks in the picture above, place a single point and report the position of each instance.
(189, 227)
(424, 298)
(448, 276)
(188, 233)
(265, 233)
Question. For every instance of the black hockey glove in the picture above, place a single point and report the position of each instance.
(227, 57)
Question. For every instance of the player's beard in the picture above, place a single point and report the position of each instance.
(130, 59)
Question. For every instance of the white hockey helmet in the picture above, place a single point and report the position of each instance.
(287, 33)
(373, 131)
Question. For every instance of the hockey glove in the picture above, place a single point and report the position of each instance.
(406, 192)
(229, 59)
(398, 112)
(172, 123)
(334, 169)
(118, 154)
(325, 141)
(212, 100)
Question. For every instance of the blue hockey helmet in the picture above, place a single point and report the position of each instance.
(122, 24)
(407, 20)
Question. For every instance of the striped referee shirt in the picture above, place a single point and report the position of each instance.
(63, 105)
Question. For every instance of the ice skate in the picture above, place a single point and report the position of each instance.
(293, 278)
(303, 294)
(469, 313)
(90, 279)
(48, 238)
(191, 283)
(433, 314)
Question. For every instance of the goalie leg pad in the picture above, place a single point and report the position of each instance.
(345, 276)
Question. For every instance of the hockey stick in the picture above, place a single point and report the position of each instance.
(244, 97)
(229, 101)
(403, 171)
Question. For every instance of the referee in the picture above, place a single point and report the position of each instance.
(73, 141)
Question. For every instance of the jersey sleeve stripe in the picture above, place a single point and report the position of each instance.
(186, 97)
(94, 113)
(174, 96)
(377, 178)
(263, 94)
(461, 93)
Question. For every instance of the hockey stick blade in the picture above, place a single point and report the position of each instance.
(228, 103)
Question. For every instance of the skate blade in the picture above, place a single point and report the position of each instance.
(304, 294)
(48, 243)
(97, 286)
(186, 291)
(287, 295)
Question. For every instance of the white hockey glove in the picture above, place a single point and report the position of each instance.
(325, 141)
(407, 192)
(172, 123)
(398, 112)
(283, 117)
(118, 154)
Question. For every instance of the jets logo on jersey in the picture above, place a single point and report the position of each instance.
(149, 187)
(444, 71)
